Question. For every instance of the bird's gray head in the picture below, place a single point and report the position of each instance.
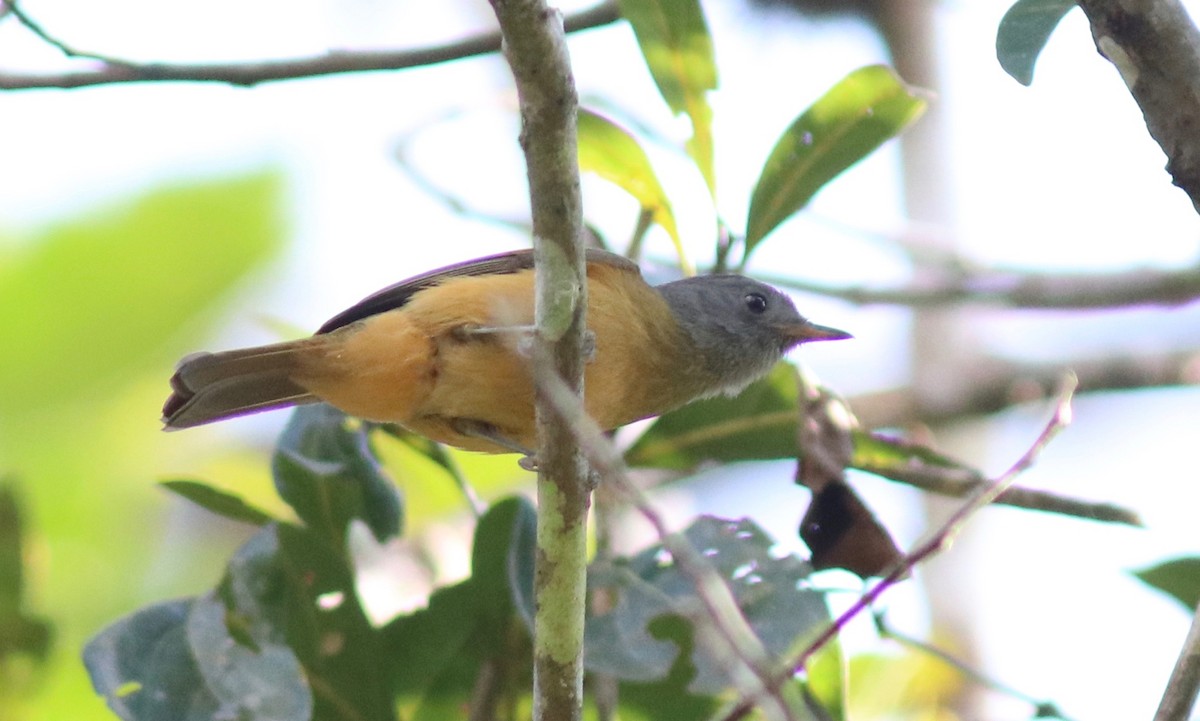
(740, 328)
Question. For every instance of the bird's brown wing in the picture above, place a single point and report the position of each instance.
(395, 296)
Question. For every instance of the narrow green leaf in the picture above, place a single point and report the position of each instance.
(883, 455)
(758, 424)
(608, 150)
(1024, 31)
(215, 500)
(1179, 578)
(324, 468)
(676, 44)
(864, 109)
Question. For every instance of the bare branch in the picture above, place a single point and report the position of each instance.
(1156, 47)
(996, 385)
(1022, 289)
(114, 70)
(961, 484)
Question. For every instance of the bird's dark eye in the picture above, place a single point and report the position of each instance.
(756, 302)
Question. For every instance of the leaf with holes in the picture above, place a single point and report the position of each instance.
(767, 588)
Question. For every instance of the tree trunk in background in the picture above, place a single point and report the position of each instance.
(941, 342)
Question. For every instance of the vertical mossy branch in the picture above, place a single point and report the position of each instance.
(535, 47)
(1156, 47)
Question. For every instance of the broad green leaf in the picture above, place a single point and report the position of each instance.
(675, 42)
(349, 679)
(503, 553)
(608, 150)
(215, 500)
(669, 699)
(143, 667)
(768, 590)
(1024, 31)
(325, 469)
(87, 303)
(439, 648)
(864, 109)
(264, 683)
(1179, 578)
(760, 423)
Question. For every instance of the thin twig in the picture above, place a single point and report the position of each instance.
(942, 539)
(727, 634)
(1041, 707)
(116, 70)
(1182, 688)
(961, 483)
(458, 205)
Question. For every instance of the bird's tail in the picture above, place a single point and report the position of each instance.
(210, 387)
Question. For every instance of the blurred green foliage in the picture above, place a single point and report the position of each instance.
(91, 308)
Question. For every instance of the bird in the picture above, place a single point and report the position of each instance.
(440, 354)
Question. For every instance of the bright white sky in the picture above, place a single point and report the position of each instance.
(1060, 175)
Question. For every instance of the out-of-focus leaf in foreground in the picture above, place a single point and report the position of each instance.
(87, 301)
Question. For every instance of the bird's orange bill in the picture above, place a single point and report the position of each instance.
(808, 332)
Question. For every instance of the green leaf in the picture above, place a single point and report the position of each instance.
(341, 652)
(1180, 578)
(864, 109)
(324, 468)
(887, 456)
(86, 304)
(768, 591)
(826, 674)
(143, 667)
(502, 555)
(215, 500)
(675, 42)
(1024, 31)
(264, 683)
(608, 150)
(438, 649)
(758, 424)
